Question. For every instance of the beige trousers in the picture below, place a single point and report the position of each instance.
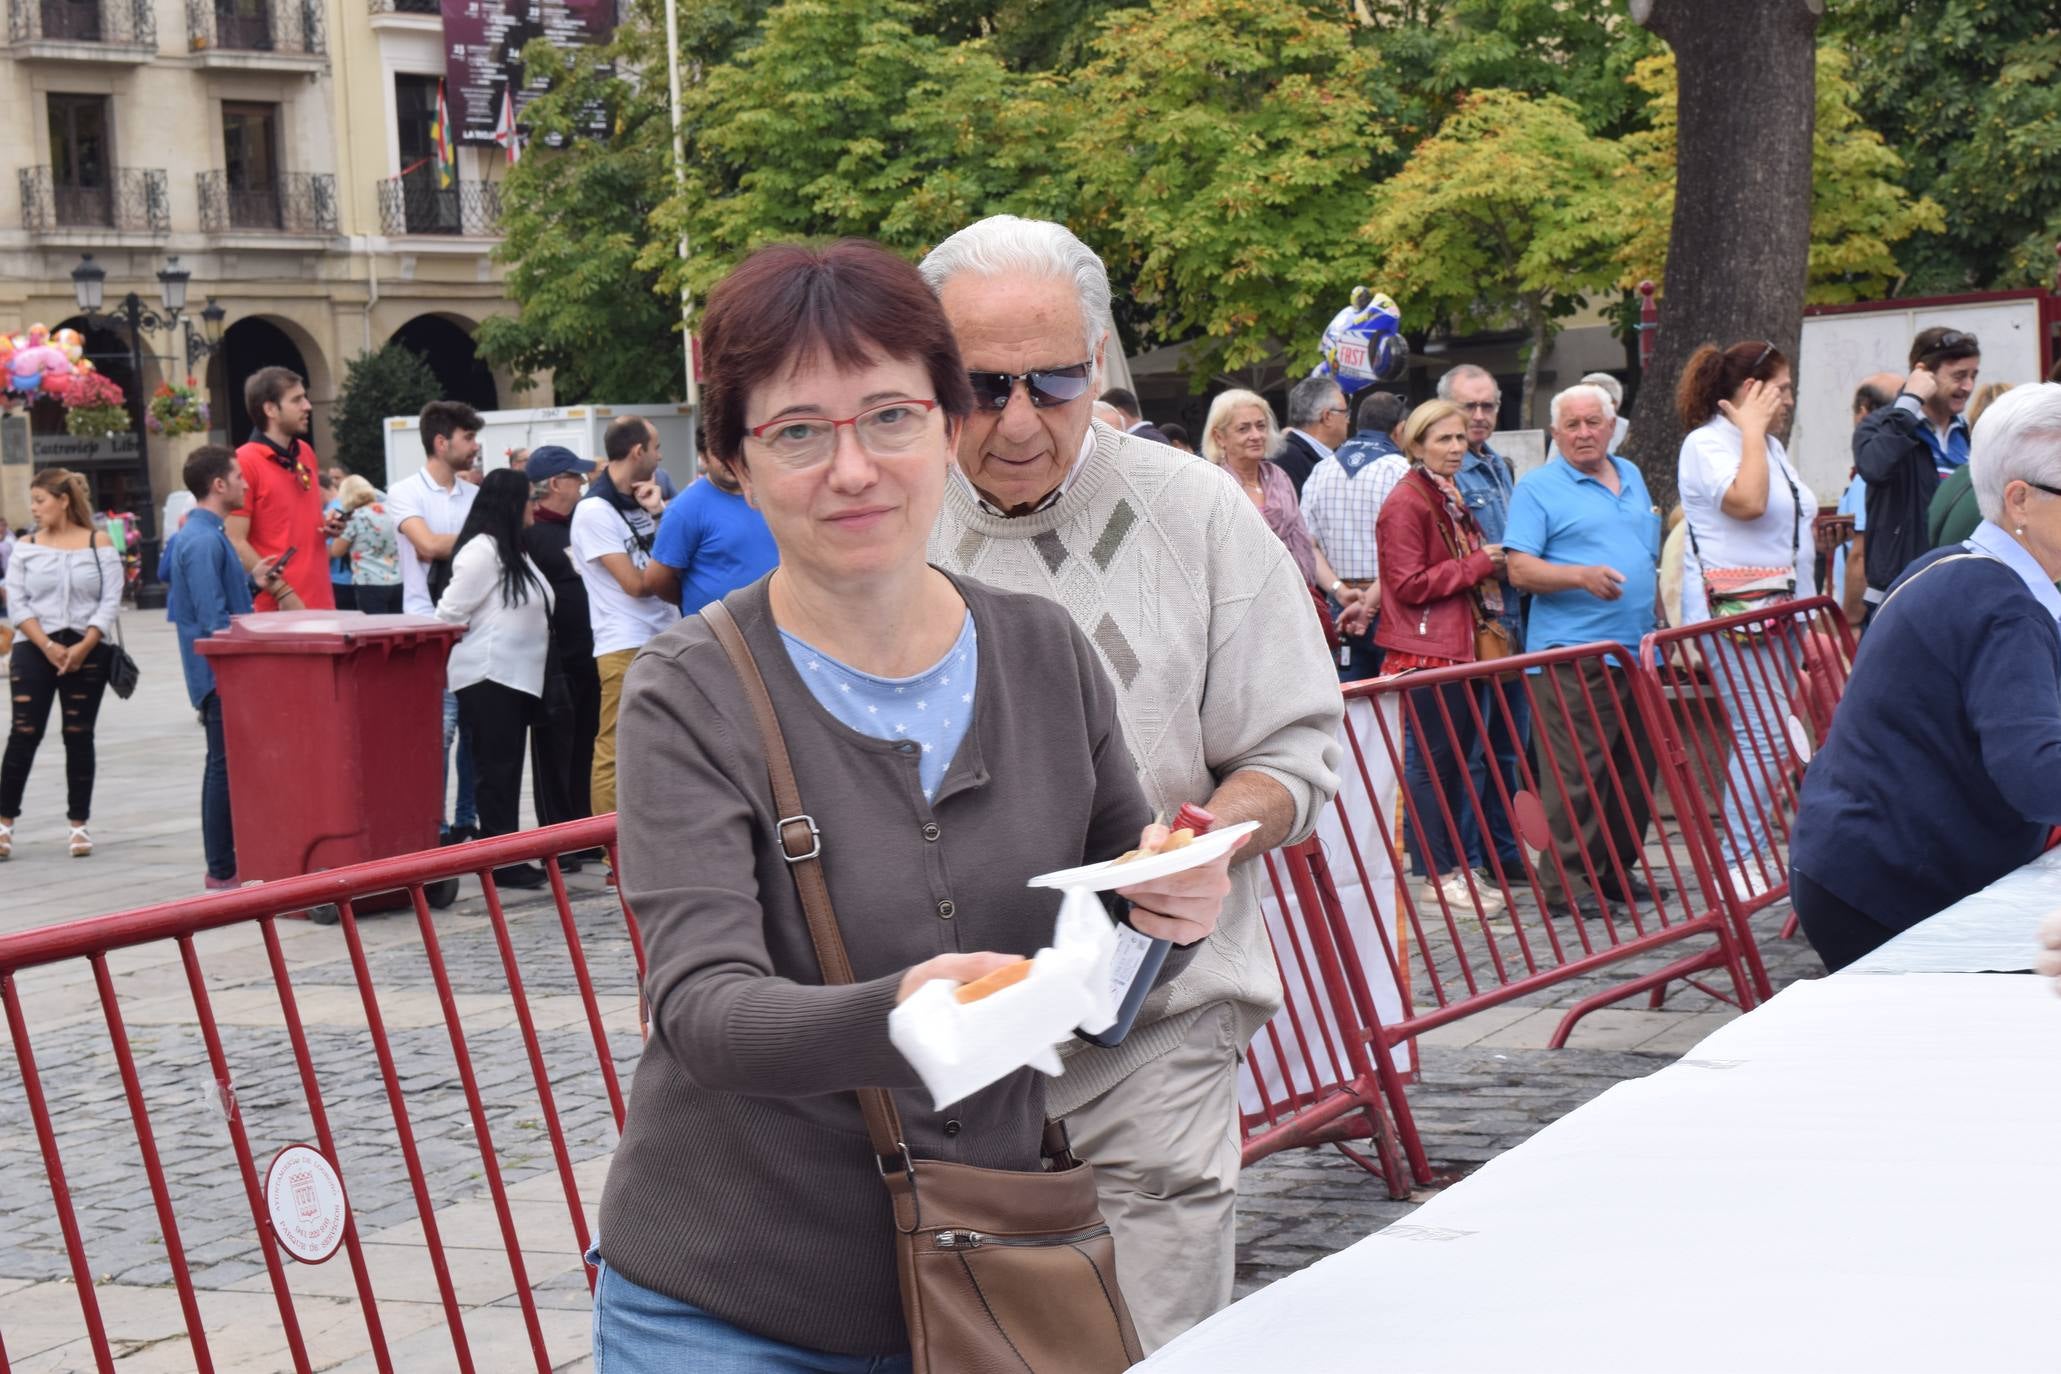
(1165, 1146)
(611, 668)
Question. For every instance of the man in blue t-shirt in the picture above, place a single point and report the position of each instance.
(1584, 540)
(710, 543)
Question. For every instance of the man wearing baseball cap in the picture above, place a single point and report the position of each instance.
(562, 744)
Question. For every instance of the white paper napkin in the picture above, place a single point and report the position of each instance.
(958, 1048)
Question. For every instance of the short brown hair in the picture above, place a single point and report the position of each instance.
(854, 300)
(443, 419)
(203, 466)
(1712, 374)
(268, 386)
(625, 435)
(1941, 344)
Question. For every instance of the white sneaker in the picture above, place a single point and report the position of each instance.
(1748, 881)
(81, 842)
(1457, 895)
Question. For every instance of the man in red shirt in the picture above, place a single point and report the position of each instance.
(282, 508)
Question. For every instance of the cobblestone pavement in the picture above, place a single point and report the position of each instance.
(1487, 1083)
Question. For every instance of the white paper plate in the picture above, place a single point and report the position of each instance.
(1109, 875)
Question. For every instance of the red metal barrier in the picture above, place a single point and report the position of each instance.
(94, 940)
(1474, 940)
(1746, 700)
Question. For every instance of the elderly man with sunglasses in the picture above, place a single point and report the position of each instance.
(1227, 698)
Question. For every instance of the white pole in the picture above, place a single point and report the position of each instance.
(680, 185)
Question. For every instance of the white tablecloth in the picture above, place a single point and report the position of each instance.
(1860, 1175)
(1996, 930)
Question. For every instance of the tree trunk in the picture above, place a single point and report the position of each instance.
(1536, 317)
(1738, 253)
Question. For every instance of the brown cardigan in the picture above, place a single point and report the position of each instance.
(743, 1184)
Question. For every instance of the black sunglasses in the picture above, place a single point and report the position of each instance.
(1764, 355)
(1047, 386)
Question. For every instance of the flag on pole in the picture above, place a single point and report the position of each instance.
(505, 132)
(440, 134)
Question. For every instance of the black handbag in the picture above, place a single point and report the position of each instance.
(122, 672)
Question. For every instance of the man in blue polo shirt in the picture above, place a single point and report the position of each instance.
(711, 542)
(1584, 540)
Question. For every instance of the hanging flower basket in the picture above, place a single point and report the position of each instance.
(177, 409)
(94, 406)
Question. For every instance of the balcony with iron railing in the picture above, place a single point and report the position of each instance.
(414, 204)
(257, 35)
(107, 32)
(412, 9)
(132, 201)
(298, 203)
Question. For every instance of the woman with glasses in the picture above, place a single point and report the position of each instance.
(1749, 514)
(64, 588)
(1944, 773)
(950, 742)
(1440, 593)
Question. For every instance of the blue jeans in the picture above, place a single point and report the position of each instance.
(1504, 743)
(468, 806)
(1362, 655)
(1752, 681)
(637, 1331)
(217, 833)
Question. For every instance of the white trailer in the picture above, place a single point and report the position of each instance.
(578, 428)
(1842, 344)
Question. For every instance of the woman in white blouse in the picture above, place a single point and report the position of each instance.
(498, 669)
(1749, 516)
(64, 586)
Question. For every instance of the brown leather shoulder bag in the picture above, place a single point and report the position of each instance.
(1000, 1270)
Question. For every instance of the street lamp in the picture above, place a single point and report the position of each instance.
(89, 286)
(202, 346)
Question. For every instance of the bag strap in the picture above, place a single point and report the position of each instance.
(801, 844)
(1795, 533)
(100, 590)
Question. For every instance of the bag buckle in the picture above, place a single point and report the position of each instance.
(908, 1165)
(815, 838)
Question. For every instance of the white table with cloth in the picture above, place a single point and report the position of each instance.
(1863, 1174)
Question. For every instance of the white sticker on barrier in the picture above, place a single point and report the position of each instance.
(305, 1199)
(1800, 739)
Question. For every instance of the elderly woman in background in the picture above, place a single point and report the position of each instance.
(1238, 435)
(1749, 515)
(951, 742)
(370, 541)
(1945, 771)
(1440, 595)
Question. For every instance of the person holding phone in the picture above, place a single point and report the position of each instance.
(1908, 447)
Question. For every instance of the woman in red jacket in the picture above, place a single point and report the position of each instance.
(1440, 595)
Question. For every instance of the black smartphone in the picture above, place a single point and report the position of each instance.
(285, 558)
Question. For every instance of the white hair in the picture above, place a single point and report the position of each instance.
(2018, 439)
(1227, 404)
(1583, 391)
(1610, 384)
(1462, 373)
(1004, 244)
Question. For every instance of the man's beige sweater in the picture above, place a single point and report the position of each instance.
(1204, 624)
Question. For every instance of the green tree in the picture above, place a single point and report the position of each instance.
(392, 380)
(1859, 210)
(845, 118)
(1504, 216)
(577, 216)
(1969, 94)
(1221, 157)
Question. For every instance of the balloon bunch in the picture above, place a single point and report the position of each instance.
(1364, 344)
(36, 358)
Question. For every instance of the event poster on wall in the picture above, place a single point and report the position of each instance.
(483, 43)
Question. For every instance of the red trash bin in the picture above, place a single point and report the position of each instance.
(333, 722)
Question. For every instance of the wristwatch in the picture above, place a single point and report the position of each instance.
(1336, 583)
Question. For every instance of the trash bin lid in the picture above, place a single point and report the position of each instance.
(323, 632)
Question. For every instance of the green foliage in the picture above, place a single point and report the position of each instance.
(393, 380)
(1968, 92)
(576, 219)
(1221, 155)
(844, 119)
(1505, 216)
(1859, 209)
